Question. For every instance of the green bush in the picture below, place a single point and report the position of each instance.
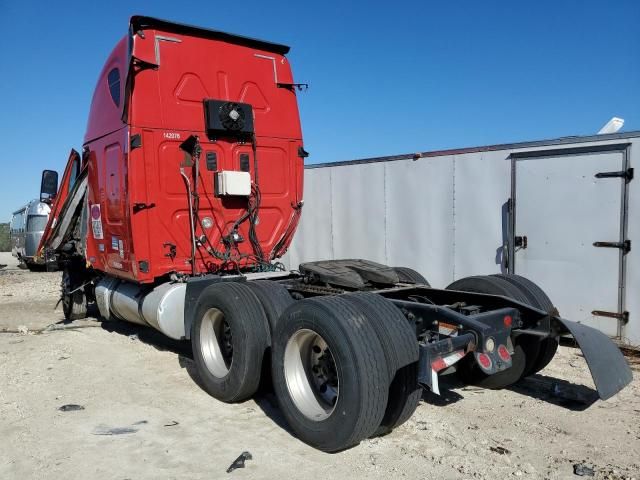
(5, 246)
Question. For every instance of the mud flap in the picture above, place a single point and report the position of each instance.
(609, 369)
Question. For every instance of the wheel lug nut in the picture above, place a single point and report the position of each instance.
(316, 349)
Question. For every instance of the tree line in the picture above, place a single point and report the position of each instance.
(5, 245)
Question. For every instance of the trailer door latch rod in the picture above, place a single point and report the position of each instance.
(624, 246)
(623, 317)
(626, 174)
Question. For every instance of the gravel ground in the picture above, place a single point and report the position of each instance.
(9, 261)
(144, 415)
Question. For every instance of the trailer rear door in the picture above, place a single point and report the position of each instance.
(568, 225)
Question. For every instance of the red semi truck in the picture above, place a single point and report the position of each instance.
(187, 191)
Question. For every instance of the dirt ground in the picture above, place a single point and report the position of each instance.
(144, 415)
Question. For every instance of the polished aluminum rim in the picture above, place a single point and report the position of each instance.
(311, 375)
(216, 342)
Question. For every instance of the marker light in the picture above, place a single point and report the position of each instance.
(207, 222)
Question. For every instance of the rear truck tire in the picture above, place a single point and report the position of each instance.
(525, 352)
(548, 348)
(74, 303)
(273, 297)
(229, 336)
(409, 275)
(400, 345)
(539, 299)
(404, 397)
(329, 372)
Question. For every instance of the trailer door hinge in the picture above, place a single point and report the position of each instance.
(626, 174)
(520, 242)
(624, 316)
(624, 246)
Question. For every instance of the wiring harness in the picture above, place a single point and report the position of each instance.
(231, 257)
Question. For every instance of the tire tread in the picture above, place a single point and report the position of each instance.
(409, 275)
(539, 299)
(346, 321)
(248, 308)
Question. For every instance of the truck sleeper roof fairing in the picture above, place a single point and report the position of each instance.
(109, 117)
(141, 22)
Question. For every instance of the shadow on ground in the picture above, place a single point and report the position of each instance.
(265, 397)
(556, 391)
(546, 388)
(449, 386)
(148, 336)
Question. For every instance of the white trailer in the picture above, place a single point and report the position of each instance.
(26, 229)
(561, 212)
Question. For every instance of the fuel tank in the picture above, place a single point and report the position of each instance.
(161, 307)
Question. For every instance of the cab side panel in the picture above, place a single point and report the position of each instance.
(109, 242)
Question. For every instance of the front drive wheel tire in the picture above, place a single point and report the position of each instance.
(74, 305)
(273, 297)
(329, 373)
(229, 337)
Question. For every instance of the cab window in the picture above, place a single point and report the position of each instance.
(113, 79)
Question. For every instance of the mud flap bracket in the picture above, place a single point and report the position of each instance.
(437, 356)
(608, 367)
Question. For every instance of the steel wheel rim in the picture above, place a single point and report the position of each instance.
(311, 375)
(216, 343)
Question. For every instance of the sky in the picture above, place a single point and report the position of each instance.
(385, 77)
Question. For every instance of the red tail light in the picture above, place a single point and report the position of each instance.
(484, 360)
(503, 353)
